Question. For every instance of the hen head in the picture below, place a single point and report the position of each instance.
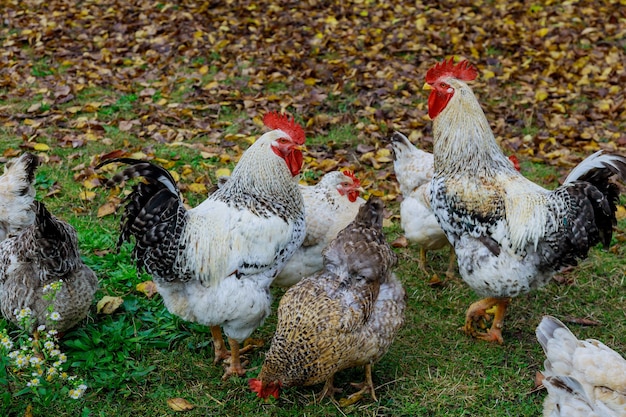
(264, 390)
(349, 186)
(438, 78)
(288, 137)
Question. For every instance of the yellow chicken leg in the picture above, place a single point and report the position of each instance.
(219, 347)
(235, 367)
(477, 312)
(365, 386)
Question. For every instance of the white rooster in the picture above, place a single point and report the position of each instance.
(510, 235)
(214, 264)
(329, 206)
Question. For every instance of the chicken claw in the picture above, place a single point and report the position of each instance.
(365, 386)
(477, 315)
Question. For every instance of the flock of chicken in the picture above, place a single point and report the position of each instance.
(214, 264)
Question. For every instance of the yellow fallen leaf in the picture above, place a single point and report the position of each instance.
(197, 188)
(179, 404)
(222, 172)
(41, 147)
(541, 95)
(149, 288)
(108, 304)
(106, 209)
(620, 214)
(87, 195)
(487, 74)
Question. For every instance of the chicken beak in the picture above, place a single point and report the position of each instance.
(427, 87)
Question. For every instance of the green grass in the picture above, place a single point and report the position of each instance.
(140, 356)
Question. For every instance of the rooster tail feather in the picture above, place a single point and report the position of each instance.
(138, 168)
(597, 170)
(154, 215)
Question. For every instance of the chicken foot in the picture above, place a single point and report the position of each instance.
(365, 386)
(233, 356)
(329, 390)
(477, 313)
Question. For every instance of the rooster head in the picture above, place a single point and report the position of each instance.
(352, 188)
(264, 390)
(287, 144)
(441, 90)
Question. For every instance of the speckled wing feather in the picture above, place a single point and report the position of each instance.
(345, 316)
(41, 254)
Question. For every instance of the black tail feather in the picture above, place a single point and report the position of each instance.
(154, 215)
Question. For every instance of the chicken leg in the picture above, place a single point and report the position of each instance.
(222, 354)
(477, 312)
(450, 272)
(365, 386)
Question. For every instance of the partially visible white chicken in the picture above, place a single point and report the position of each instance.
(214, 264)
(17, 194)
(329, 206)
(414, 170)
(584, 378)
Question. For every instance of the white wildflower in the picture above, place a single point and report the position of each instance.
(55, 316)
(23, 313)
(53, 332)
(21, 361)
(49, 345)
(41, 328)
(33, 382)
(6, 342)
(34, 360)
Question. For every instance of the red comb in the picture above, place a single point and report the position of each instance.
(348, 173)
(275, 120)
(463, 71)
(255, 385)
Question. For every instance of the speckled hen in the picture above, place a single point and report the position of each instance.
(41, 270)
(214, 264)
(510, 235)
(347, 315)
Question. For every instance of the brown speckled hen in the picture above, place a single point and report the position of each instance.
(36, 257)
(346, 315)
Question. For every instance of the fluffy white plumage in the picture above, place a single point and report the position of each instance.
(17, 194)
(329, 206)
(584, 378)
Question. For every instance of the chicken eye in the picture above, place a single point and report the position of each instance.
(282, 141)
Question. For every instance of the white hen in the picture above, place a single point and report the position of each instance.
(329, 206)
(414, 170)
(584, 378)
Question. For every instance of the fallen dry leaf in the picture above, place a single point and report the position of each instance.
(149, 288)
(108, 304)
(179, 404)
(106, 209)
